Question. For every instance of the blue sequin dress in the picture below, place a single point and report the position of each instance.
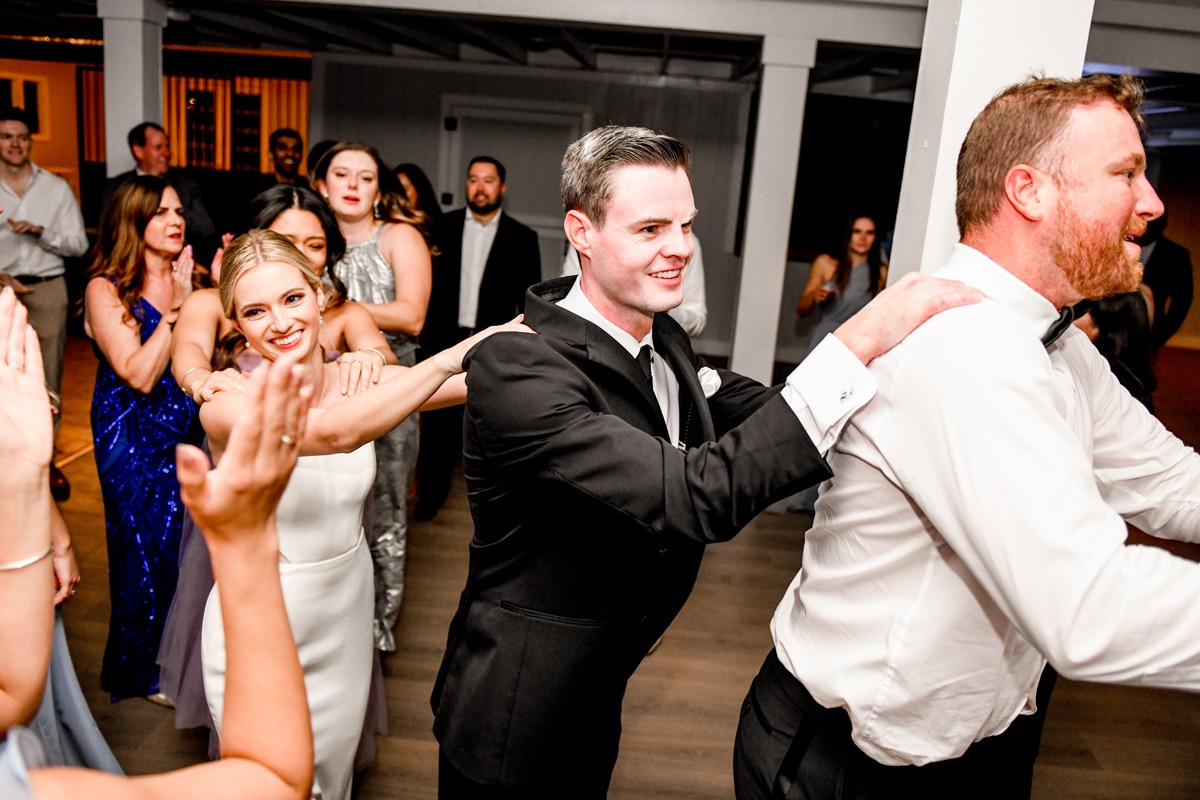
(135, 437)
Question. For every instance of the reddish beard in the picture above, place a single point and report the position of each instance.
(1095, 261)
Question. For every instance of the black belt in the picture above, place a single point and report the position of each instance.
(33, 280)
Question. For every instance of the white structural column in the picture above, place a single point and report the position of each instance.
(132, 72)
(970, 51)
(782, 92)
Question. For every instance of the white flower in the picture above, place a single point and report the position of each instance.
(710, 381)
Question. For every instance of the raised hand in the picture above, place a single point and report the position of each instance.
(899, 310)
(181, 277)
(26, 431)
(214, 270)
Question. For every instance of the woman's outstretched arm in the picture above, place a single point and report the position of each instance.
(266, 742)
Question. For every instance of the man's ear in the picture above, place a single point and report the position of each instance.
(1030, 192)
(137, 151)
(579, 230)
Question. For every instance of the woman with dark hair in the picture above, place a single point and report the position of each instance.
(419, 192)
(140, 275)
(305, 219)
(388, 269)
(841, 286)
(204, 334)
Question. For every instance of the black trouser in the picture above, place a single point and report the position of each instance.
(453, 785)
(441, 448)
(789, 746)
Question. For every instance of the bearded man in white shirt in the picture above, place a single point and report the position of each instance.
(975, 529)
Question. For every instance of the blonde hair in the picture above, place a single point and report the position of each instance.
(252, 249)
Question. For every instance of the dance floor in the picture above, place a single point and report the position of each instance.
(682, 706)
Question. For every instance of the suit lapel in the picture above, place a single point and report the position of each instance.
(695, 420)
(498, 246)
(544, 316)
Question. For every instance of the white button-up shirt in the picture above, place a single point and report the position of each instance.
(977, 522)
(823, 392)
(49, 202)
(477, 240)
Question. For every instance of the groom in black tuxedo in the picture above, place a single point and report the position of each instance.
(600, 457)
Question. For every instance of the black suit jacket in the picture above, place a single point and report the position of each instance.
(199, 222)
(1168, 273)
(589, 530)
(513, 265)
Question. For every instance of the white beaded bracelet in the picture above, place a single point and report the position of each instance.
(24, 562)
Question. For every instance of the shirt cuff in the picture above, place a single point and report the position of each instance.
(826, 389)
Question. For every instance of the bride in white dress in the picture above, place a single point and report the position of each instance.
(274, 298)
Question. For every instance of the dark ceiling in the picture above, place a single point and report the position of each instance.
(266, 26)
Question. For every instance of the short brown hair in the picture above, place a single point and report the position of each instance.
(1023, 124)
(588, 164)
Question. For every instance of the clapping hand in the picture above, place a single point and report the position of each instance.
(181, 277)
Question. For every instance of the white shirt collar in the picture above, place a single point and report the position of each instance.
(578, 303)
(471, 219)
(973, 268)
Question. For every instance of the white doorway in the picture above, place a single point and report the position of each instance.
(529, 138)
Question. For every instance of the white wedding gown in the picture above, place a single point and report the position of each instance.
(328, 588)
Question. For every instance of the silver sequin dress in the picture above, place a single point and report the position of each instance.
(369, 278)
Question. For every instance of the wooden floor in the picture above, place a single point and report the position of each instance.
(682, 706)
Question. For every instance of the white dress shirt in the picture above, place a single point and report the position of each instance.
(692, 311)
(49, 202)
(823, 392)
(975, 524)
(477, 242)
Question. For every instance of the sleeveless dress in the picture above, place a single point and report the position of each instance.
(135, 436)
(369, 278)
(325, 570)
(848, 302)
(844, 305)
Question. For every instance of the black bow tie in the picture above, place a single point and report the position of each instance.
(1066, 316)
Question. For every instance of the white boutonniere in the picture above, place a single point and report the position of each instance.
(710, 381)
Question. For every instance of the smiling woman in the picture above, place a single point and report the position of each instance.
(141, 273)
(273, 296)
(387, 269)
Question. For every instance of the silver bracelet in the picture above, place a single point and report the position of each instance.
(376, 352)
(24, 562)
(187, 389)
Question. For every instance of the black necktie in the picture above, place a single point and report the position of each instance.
(643, 359)
(1066, 316)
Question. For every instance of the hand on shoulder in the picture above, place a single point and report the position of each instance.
(899, 310)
